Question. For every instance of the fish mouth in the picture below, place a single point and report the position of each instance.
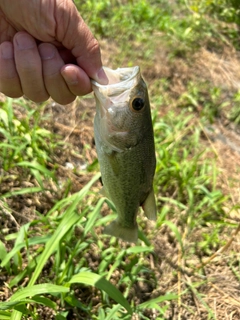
(110, 100)
(118, 89)
(120, 76)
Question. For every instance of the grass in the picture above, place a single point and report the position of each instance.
(57, 264)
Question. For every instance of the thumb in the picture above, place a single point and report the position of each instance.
(75, 35)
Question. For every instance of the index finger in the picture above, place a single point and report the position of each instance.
(75, 35)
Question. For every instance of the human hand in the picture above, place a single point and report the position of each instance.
(46, 49)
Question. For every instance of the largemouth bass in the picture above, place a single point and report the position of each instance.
(125, 147)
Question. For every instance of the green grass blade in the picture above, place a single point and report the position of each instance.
(52, 244)
(7, 145)
(31, 242)
(174, 202)
(93, 216)
(16, 315)
(174, 228)
(69, 219)
(36, 168)
(143, 238)
(5, 315)
(21, 192)
(40, 300)
(93, 279)
(64, 202)
(149, 303)
(4, 117)
(138, 249)
(113, 311)
(38, 289)
(3, 254)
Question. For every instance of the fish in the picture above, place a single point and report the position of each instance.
(124, 140)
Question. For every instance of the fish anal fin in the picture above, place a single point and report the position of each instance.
(149, 206)
(103, 192)
(117, 230)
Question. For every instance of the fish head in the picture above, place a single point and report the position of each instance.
(123, 110)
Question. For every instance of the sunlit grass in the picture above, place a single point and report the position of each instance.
(185, 185)
(61, 252)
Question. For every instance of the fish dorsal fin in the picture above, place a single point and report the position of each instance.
(149, 206)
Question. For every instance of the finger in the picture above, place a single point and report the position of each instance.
(77, 80)
(66, 55)
(75, 35)
(9, 81)
(54, 82)
(29, 67)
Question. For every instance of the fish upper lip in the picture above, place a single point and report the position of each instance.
(130, 73)
(117, 91)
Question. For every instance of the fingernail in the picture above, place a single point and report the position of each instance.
(46, 51)
(101, 77)
(6, 51)
(70, 76)
(24, 41)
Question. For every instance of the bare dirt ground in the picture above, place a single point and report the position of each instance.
(218, 285)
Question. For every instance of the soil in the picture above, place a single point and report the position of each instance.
(218, 286)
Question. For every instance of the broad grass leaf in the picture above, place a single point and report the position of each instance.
(69, 219)
(31, 242)
(138, 249)
(21, 192)
(17, 259)
(36, 167)
(7, 145)
(143, 238)
(53, 243)
(82, 193)
(74, 302)
(38, 289)
(45, 301)
(4, 117)
(5, 315)
(61, 316)
(93, 279)
(3, 254)
(113, 312)
(40, 300)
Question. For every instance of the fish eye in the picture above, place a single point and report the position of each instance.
(137, 104)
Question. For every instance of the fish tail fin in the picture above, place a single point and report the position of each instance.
(117, 230)
(149, 206)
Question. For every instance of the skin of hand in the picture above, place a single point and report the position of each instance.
(46, 50)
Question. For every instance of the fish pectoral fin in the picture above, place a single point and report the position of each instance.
(149, 206)
(114, 163)
(117, 230)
